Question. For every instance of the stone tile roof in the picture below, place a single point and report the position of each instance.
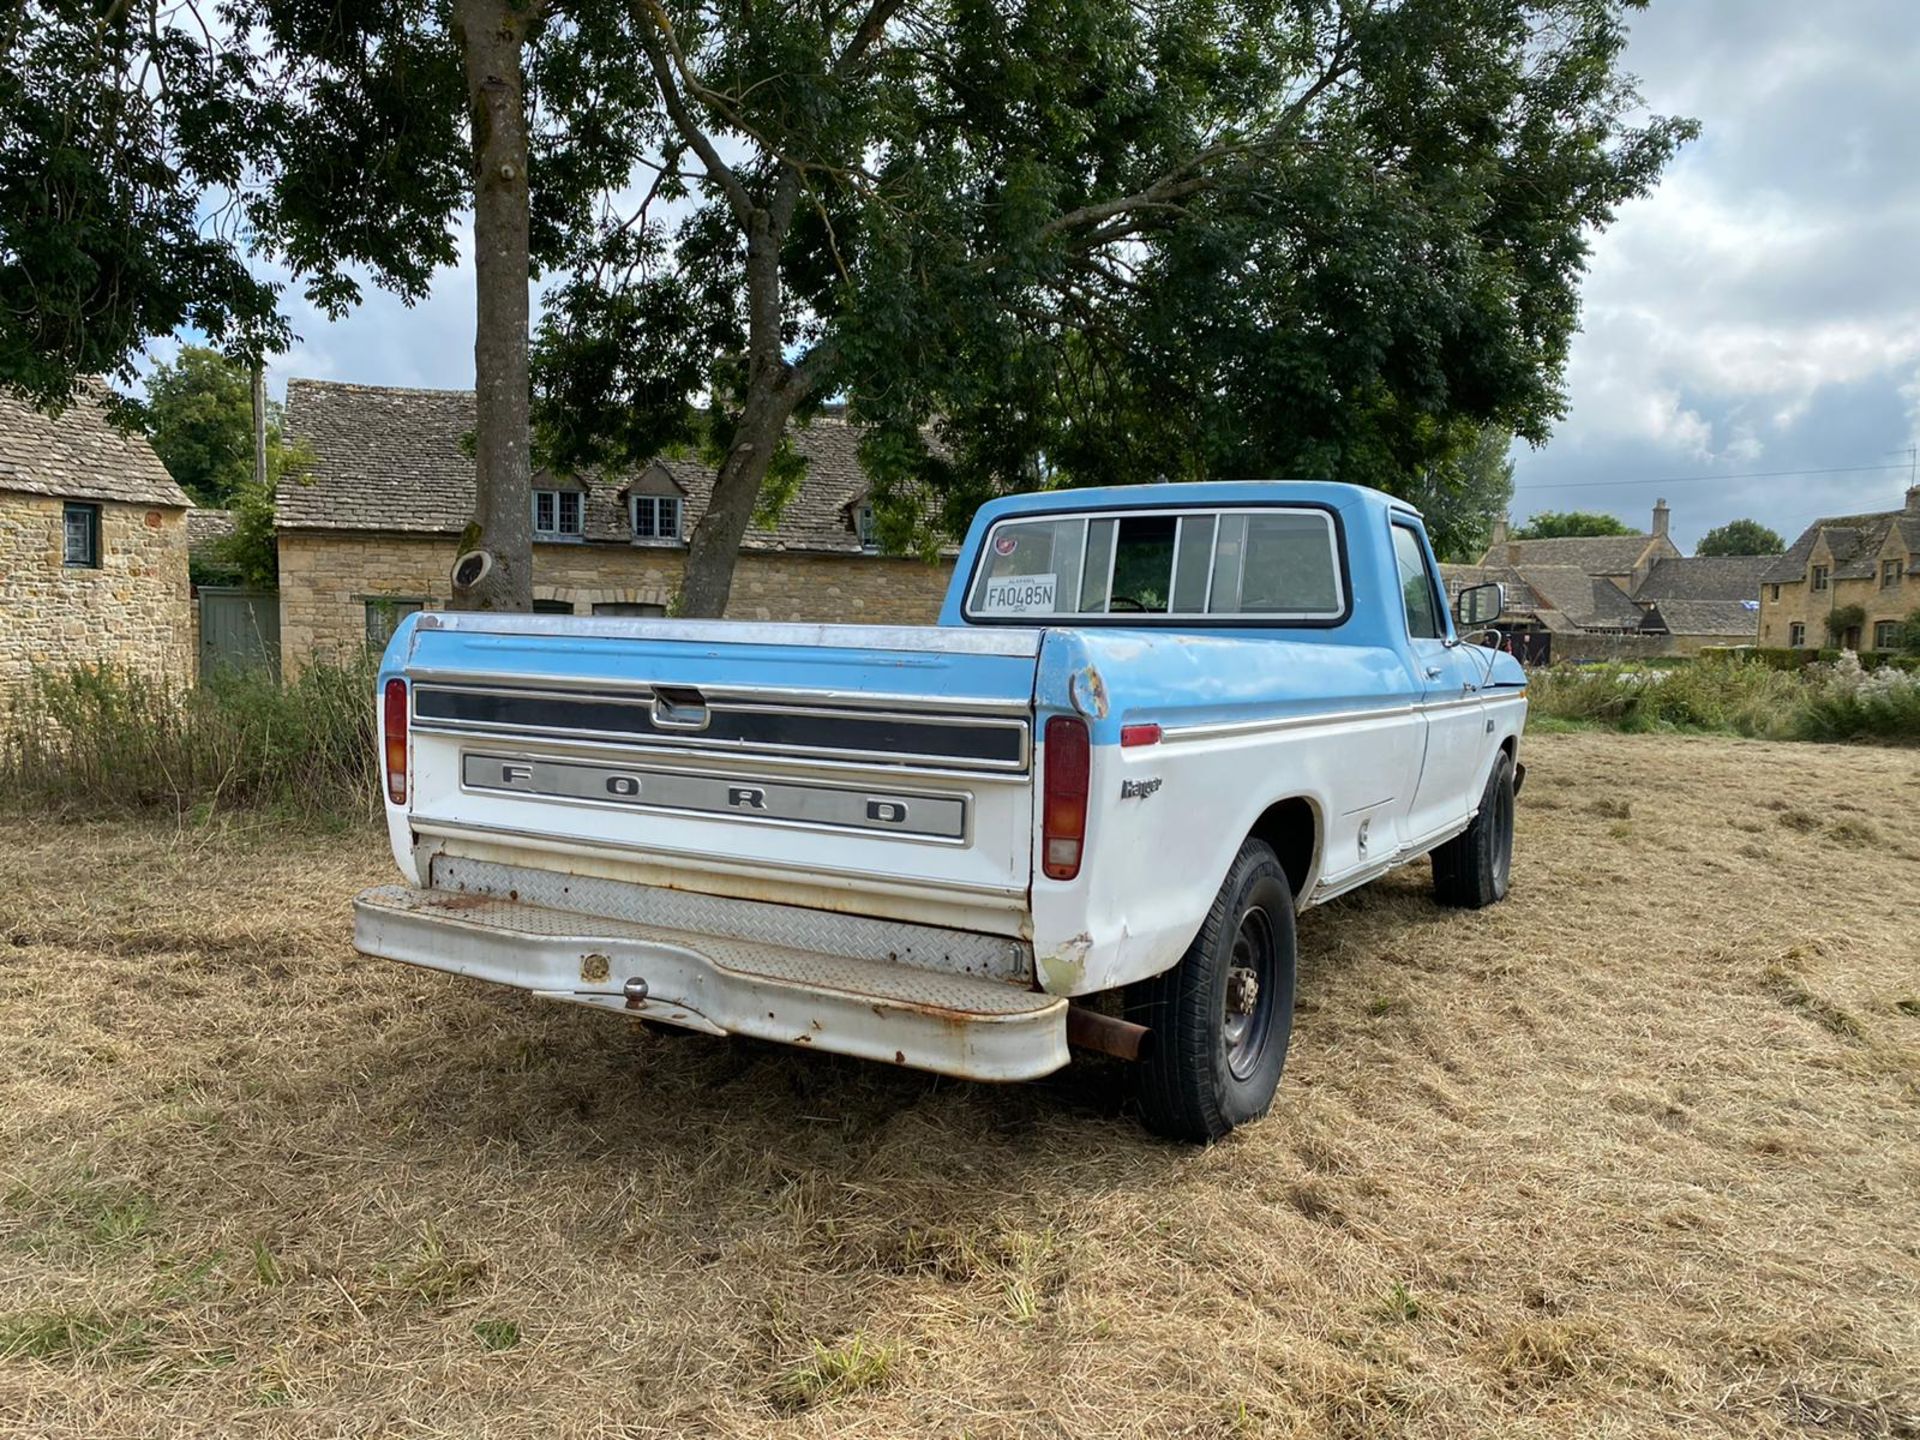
(1705, 577)
(80, 454)
(1590, 554)
(206, 529)
(1592, 602)
(1735, 619)
(1855, 542)
(389, 459)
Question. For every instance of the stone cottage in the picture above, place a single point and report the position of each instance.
(367, 533)
(93, 546)
(1849, 581)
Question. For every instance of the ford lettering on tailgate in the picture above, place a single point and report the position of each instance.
(931, 817)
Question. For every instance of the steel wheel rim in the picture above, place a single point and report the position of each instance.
(1503, 818)
(1246, 1030)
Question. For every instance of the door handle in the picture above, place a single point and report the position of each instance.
(679, 709)
(1433, 672)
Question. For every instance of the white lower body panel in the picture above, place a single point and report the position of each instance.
(954, 1024)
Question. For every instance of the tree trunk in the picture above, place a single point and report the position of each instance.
(774, 388)
(714, 546)
(492, 34)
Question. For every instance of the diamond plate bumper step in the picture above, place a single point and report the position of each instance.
(966, 1025)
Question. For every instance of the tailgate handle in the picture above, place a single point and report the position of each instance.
(679, 708)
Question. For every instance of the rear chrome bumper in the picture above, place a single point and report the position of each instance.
(953, 1024)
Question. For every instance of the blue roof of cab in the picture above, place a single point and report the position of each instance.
(1197, 492)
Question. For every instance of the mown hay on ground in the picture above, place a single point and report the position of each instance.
(1633, 1154)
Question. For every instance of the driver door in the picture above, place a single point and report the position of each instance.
(1447, 677)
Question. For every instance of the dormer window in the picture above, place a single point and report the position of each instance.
(656, 518)
(557, 514)
(1820, 576)
(864, 527)
(1889, 574)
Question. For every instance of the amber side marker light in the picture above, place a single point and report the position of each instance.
(395, 726)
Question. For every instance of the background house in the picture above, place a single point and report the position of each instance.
(1845, 561)
(367, 532)
(93, 546)
(1588, 596)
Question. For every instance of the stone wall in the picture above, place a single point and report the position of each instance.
(327, 578)
(133, 610)
(1801, 602)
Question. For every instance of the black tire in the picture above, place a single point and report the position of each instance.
(1204, 1070)
(1471, 870)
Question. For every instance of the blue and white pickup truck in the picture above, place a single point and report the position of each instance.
(1152, 723)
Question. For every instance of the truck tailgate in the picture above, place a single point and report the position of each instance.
(879, 770)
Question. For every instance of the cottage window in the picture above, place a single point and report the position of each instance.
(557, 512)
(629, 608)
(1889, 574)
(1886, 634)
(384, 614)
(1774, 593)
(80, 545)
(553, 607)
(1796, 634)
(864, 527)
(656, 517)
(1820, 573)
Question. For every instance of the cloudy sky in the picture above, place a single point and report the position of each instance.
(1759, 313)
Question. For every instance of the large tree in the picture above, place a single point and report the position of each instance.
(1568, 524)
(1029, 240)
(1075, 241)
(1740, 537)
(149, 145)
(199, 416)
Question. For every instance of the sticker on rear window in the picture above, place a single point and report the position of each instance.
(1018, 595)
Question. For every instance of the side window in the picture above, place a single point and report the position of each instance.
(1417, 591)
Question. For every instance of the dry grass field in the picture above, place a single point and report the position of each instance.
(1637, 1153)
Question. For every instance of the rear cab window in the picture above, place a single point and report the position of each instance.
(1256, 565)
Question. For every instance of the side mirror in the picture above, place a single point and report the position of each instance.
(1479, 605)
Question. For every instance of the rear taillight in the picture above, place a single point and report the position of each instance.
(396, 732)
(1063, 824)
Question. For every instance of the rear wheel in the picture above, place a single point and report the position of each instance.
(1221, 1019)
(1471, 870)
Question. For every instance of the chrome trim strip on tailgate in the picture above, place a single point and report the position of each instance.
(968, 741)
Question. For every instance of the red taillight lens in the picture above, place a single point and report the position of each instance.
(1133, 735)
(395, 725)
(1063, 823)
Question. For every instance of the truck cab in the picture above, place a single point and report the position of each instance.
(1152, 723)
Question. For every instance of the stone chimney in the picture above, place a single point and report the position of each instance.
(1913, 500)
(1497, 545)
(1660, 516)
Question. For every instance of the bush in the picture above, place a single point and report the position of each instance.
(111, 739)
(1748, 694)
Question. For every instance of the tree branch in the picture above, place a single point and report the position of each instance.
(655, 33)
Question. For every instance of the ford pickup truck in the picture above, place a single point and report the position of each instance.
(1152, 724)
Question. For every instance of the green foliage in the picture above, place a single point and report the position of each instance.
(1836, 700)
(1461, 497)
(119, 124)
(199, 416)
(1844, 618)
(1909, 634)
(1091, 243)
(833, 1371)
(102, 738)
(1740, 537)
(1565, 524)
